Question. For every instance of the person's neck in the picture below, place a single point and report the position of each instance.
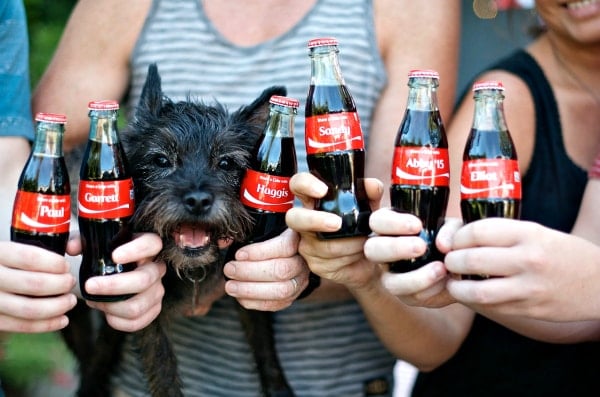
(249, 23)
(578, 63)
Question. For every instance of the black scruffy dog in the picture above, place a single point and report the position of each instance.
(187, 160)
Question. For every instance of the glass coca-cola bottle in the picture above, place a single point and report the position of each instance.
(420, 166)
(265, 188)
(334, 142)
(490, 184)
(105, 198)
(42, 208)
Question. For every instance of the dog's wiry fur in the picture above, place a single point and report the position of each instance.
(187, 160)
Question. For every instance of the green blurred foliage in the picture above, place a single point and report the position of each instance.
(46, 20)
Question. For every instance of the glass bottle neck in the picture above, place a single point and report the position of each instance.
(103, 126)
(325, 66)
(422, 94)
(489, 111)
(281, 122)
(49, 139)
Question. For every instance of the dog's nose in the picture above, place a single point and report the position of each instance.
(198, 202)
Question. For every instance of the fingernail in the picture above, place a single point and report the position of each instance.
(333, 222)
(419, 247)
(242, 255)
(414, 225)
(91, 285)
(319, 189)
(229, 269)
(231, 288)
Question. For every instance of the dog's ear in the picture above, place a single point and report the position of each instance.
(258, 111)
(152, 95)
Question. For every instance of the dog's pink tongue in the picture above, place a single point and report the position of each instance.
(190, 237)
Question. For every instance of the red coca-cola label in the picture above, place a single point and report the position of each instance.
(490, 178)
(420, 166)
(106, 199)
(41, 213)
(266, 192)
(333, 131)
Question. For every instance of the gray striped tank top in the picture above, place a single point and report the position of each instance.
(327, 349)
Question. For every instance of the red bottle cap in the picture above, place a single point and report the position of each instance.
(103, 105)
(284, 101)
(424, 73)
(51, 117)
(323, 41)
(488, 85)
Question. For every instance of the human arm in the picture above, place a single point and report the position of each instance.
(424, 337)
(432, 44)
(91, 62)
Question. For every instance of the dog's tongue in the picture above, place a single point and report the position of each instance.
(191, 237)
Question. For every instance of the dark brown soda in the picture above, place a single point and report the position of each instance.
(428, 203)
(485, 145)
(280, 160)
(50, 178)
(341, 170)
(99, 237)
(489, 145)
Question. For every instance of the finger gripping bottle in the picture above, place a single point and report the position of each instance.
(334, 142)
(42, 207)
(490, 184)
(420, 166)
(265, 188)
(105, 199)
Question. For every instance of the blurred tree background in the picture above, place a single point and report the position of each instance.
(46, 19)
(38, 365)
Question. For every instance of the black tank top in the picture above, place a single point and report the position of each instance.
(494, 361)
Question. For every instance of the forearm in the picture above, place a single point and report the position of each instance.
(14, 152)
(421, 336)
(552, 332)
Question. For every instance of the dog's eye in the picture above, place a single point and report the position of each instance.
(227, 164)
(161, 161)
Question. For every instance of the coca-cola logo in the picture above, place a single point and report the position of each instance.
(334, 131)
(106, 199)
(44, 213)
(275, 193)
(330, 132)
(266, 192)
(92, 198)
(426, 164)
(485, 178)
(51, 212)
(420, 166)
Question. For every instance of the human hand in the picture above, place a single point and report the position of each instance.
(262, 275)
(537, 272)
(35, 289)
(396, 238)
(339, 260)
(144, 282)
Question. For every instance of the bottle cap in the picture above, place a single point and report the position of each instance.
(323, 41)
(51, 117)
(423, 73)
(284, 101)
(103, 105)
(488, 85)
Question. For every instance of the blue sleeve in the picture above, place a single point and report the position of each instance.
(15, 91)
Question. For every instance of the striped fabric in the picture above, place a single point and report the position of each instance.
(327, 349)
